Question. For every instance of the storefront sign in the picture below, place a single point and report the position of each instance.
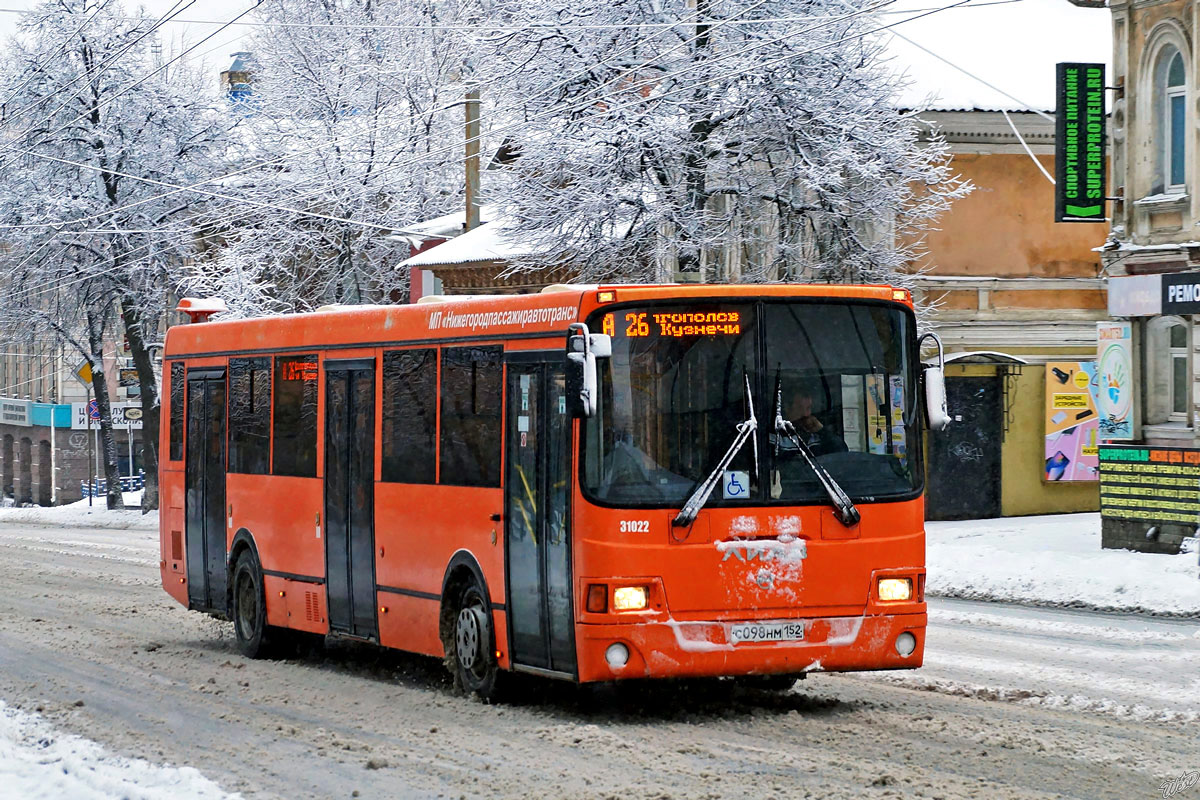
(1072, 422)
(1114, 390)
(1181, 293)
(1150, 484)
(122, 418)
(1135, 296)
(15, 412)
(1079, 144)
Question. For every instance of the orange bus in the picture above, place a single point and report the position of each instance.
(591, 483)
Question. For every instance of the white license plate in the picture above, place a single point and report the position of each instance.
(766, 632)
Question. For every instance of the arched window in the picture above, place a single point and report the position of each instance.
(1170, 90)
(1168, 370)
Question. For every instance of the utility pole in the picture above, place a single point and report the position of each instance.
(472, 130)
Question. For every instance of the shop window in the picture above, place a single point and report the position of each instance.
(409, 438)
(249, 415)
(472, 381)
(295, 423)
(1168, 371)
(176, 428)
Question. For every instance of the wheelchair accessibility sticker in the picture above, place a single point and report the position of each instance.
(735, 485)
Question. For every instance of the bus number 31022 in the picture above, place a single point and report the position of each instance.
(635, 526)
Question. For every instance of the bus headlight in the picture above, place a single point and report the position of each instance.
(629, 598)
(891, 589)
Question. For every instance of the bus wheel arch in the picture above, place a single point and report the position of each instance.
(467, 625)
(243, 540)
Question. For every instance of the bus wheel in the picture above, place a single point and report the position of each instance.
(474, 649)
(249, 609)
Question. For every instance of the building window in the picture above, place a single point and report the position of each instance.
(1180, 373)
(1168, 371)
(1170, 84)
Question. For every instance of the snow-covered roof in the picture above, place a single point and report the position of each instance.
(492, 241)
(1012, 45)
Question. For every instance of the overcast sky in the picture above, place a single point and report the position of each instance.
(215, 51)
(1012, 45)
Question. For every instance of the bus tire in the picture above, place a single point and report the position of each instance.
(474, 644)
(255, 639)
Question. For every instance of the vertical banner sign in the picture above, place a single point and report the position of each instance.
(1072, 424)
(1079, 144)
(1114, 395)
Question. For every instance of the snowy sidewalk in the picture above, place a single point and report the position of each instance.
(37, 761)
(81, 515)
(1055, 561)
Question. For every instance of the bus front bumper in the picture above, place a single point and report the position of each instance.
(673, 649)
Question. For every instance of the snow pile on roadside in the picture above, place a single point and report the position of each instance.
(1055, 560)
(36, 761)
(81, 515)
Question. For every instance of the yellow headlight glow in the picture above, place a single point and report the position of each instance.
(895, 589)
(629, 598)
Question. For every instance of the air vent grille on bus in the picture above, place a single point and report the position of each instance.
(312, 607)
(176, 545)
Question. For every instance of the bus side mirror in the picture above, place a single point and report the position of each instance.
(936, 413)
(937, 416)
(583, 348)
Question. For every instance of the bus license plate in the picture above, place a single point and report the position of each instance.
(766, 632)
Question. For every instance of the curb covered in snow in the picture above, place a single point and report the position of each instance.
(1056, 561)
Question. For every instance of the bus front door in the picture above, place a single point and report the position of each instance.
(537, 514)
(349, 497)
(204, 502)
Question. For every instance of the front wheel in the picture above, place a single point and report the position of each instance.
(475, 667)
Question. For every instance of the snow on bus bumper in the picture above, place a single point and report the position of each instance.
(670, 648)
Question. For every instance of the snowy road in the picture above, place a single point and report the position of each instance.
(1013, 703)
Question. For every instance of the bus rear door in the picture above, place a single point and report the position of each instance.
(537, 513)
(205, 499)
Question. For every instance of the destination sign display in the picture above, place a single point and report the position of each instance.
(673, 324)
(1150, 484)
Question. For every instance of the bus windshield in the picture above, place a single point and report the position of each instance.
(674, 392)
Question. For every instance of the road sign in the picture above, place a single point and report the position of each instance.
(83, 373)
(93, 410)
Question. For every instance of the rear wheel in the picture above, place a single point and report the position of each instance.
(255, 638)
(473, 644)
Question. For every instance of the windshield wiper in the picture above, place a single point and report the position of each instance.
(843, 508)
(745, 430)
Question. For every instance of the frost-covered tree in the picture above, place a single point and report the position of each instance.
(353, 103)
(744, 140)
(93, 124)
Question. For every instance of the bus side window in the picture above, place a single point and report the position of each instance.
(295, 424)
(409, 416)
(472, 389)
(249, 415)
(176, 431)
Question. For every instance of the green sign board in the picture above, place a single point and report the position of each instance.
(1150, 484)
(1079, 144)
